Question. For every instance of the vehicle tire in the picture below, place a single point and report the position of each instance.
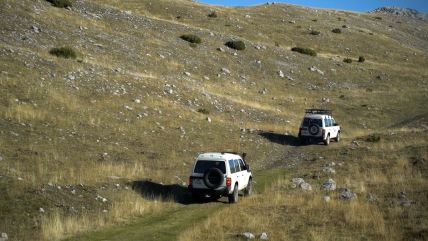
(213, 178)
(327, 140)
(249, 189)
(233, 198)
(338, 137)
(314, 129)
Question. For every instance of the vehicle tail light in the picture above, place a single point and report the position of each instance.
(190, 181)
(228, 181)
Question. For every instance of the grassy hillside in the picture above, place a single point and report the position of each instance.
(138, 102)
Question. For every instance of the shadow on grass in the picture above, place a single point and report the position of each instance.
(282, 139)
(174, 192)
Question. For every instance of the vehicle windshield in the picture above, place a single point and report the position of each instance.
(309, 121)
(202, 166)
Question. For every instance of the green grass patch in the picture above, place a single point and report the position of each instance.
(337, 30)
(203, 111)
(191, 38)
(235, 44)
(347, 60)
(64, 52)
(306, 51)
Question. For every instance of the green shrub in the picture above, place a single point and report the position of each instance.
(306, 51)
(235, 44)
(191, 38)
(212, 14)
(203, 111)
(337, 30)
(64, 52)
(60, 3)
(373, 138)
(361, 59)
(347, 60)
(314, 32)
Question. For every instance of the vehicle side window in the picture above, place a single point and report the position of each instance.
(333, 122)
(237, 168)
(328, 122)
(232, 166)
(241, 164)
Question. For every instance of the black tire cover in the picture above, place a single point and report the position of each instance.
(314, 129)
(213, 178)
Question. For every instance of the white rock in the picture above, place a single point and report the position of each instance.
(327, 199)
(209, 119)
(330, 184)
(281, 74)
(226, 71)
(306, 186)
(248, 235)
(4, 237)
(138, 101)
(263, 236)
(187, 73)
(73, 192)
(41, 210)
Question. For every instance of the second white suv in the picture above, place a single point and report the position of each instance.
(318, 124)
(219, 174)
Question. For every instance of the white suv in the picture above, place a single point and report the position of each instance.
(219, 174)
(318, 124)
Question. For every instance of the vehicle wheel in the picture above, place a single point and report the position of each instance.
(233, 198)
(338, 137)
(249, 189)
(327, 140)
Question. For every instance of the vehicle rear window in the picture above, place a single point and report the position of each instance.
(201, 166)
(309, 121)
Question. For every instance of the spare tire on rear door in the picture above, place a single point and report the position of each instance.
(213, 178)
(314, 129)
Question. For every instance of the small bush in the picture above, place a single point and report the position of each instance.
(203, 111)
(337, 30)
(347, 60)
(235, 44)
(314, 32)
(306, 51)
(64, 52)
(60, 3)
(361, 59)
(212, 14)
(378, 18)
(191, 38)
(373, 138)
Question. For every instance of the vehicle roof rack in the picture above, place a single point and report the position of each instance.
(318, 111)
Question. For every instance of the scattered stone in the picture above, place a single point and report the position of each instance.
(315, 69)
(248, 235)
(209, 119)
(330, 185)
(329, 170)
(263, 91)
(187, 73)
(224, 70)
(128, 107)
(347, 194)
(73, 192)
(306, 186)
(220, 49)
(263, 236)
(281, 74)
(41, 210)
(327, 199)
(138, 101)
(404, 201)
(35, 29)
(4, 237)
(298, 181)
